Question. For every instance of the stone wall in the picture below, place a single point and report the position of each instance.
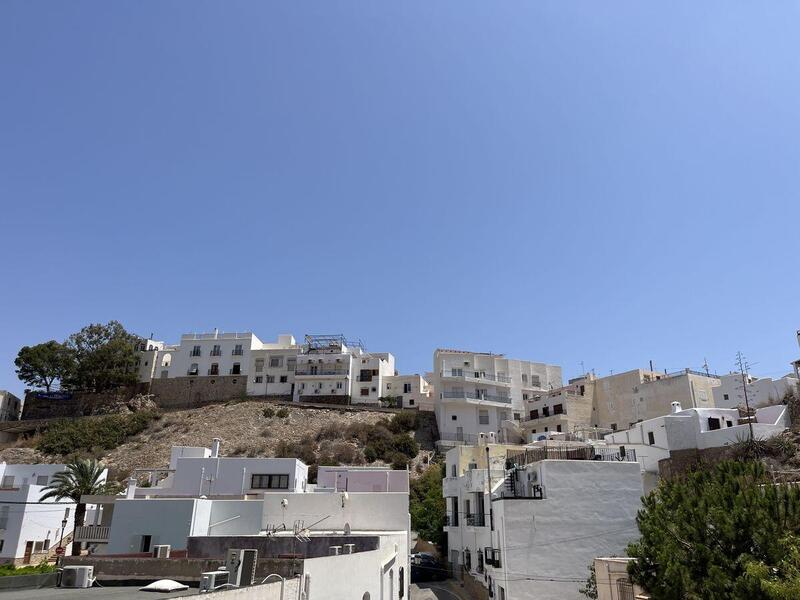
(190, 392)
(76, 404)
(683, 461)
(316, 399)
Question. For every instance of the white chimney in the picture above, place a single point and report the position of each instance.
(215, 447)
(676, 407)
(131, 491)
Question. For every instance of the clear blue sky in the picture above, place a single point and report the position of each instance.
(561, 181)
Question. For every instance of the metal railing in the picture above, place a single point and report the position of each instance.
(215, 353)
(235, 371)
(464, 438)
(476, 520)
(312, 372)
(91, 533)
(532, 455)
(476, 396)
(237, 352)
(475, 375)
(213, 371)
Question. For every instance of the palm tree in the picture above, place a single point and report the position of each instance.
(82, 478)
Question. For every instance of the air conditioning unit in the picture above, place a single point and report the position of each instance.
(241, 565)
(211, 580)
(161, 551)
(77, 577)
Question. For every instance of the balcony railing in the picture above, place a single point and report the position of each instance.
(91, 533)
(195, 353)
(215, 353)
(235, 371)
(192, 372)
(213, 371)
(237, 352)
(475, 375)
(471, 395)
(460, 438)
(532, 455)
(476, 520)
(315, 372)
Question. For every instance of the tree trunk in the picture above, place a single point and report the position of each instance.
(80, 513)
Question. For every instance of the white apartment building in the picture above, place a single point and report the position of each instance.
(548, 515)
(331, 368)
(476, 391)
(761, 391)
(148, 364)
(409, 391)
(272, 368)
(30, 529)
(696, 429)
(10, 406)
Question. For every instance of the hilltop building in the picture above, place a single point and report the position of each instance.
(476, 391)
(761, 391)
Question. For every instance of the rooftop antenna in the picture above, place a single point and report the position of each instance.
(583, 369)
(705, 366)
(741, 362)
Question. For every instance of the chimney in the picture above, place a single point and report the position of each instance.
(676, 407)
(348, 548)
(215, 448)
(131, 491)
(335, 551)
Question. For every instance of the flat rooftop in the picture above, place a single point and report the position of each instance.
(120, 592)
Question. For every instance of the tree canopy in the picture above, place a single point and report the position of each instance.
(105, 357)
(44, 364)
(427, 505)
(726, 533)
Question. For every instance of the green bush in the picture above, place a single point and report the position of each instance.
(398, 460)
(269, 412)
(43, 567)
(370, 455)
(403, 422)
(282, 413)
(305, 450)
(427, 505)
(90, 435)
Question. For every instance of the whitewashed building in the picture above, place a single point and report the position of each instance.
(761, 391)
(30, 529)
(476, 391)
(550, 512)
(272, 368)
(409, 391)
(10, 406)
(333, 369)
(696, 429)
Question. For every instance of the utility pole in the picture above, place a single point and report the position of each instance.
(741, 362)
(705, 366)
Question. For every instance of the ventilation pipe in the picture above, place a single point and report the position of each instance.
(131, 491)
(676, 407)
(215, 447)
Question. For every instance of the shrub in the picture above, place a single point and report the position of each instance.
(331, 432)
(269, 412)
(92, 435)
(427, 505)
(370, 455)
(405, 444)
(305, 450)
(42, 567)
(398, 460)
(282, 413)
(403, 421)
(345, 454)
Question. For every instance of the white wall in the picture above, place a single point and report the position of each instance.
(362, 511)
(354, 479)
(376, 572)
(589, 510)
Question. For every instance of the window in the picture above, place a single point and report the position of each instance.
(406, 388)
(237, 350)
(402, 576)
(270, 378)
(456, 372)
(483, 417)
(338, 385)
(534, 414)
(651, 438)
(535, 381)
(454, 418)
(729, 423)
(725, 396)
(545, 411)
(524, 396)
(46, 545)
(411, 402)
(214, 370)
(545, 429)
(524, 378)
(558, 409)
(193, 369)
(613, 427)
(41, 480)
(145, 545)
(284, 378)
(216, 350)
(374, 389)
(291, 364)
(452, 472)
(276, 361)
(365, 391)
(237, 369)
(2, 543)
(558, 428)
(4, 516)
(196, 351)
(259, 379)
(259, 365)
(713, 423)
(516, 416)
(269, 482)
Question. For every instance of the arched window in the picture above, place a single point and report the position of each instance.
(166, 360)
(365, 596)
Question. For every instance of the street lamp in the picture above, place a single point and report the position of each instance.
(63, 527)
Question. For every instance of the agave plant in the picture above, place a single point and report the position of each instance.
(81, 478)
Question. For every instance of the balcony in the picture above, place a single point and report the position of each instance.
(235, 371)
(476, 520)
(215, 352)
(479, 375)
(213, 371)
(472, 395)
(237, 352)
(195, 353)
(306, 372)
(91, 533)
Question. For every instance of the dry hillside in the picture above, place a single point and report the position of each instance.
(245, 430)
